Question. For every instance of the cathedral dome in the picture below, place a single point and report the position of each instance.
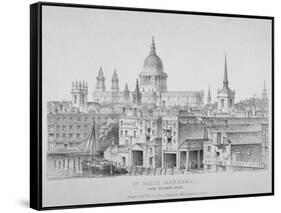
(153, 62)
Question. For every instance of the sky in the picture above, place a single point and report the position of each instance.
(77, 41)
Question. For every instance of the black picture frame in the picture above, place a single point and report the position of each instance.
(36, 103)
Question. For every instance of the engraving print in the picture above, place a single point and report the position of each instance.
(154, 131)
(153, 96)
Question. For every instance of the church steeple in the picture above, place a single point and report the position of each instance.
(137, 89)
(225, 77)
(152, 47)
(115, 82)
(209, 98)
(126, 88)
(100, 75)
(225, 96)
(126, 93)
(137, 94)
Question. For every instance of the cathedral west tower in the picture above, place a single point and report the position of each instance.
(100, 86)
(115, 82)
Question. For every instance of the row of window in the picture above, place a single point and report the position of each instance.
(76, 118)
(67, 136)
(166, 124)
(68, 127)
(125, 133)
(141, 123)
(81, 118)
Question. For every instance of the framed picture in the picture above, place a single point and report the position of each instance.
(133, 105)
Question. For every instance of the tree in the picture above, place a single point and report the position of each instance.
(109, 134)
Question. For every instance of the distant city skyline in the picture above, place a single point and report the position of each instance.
(191, 47)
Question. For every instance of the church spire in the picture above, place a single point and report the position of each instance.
(126, 93)
(137, 86)
(209, 99)
(225, 78)
(152, 48)
(126, 87)
(225, 95)
(115, 73)
(100, 71)
(137, 94)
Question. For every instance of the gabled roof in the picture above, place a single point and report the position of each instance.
(138, 147)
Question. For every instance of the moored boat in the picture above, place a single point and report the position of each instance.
(102, 167)
(96, 164)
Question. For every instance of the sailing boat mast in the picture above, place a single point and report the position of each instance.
(93, 139)
(90, 145)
